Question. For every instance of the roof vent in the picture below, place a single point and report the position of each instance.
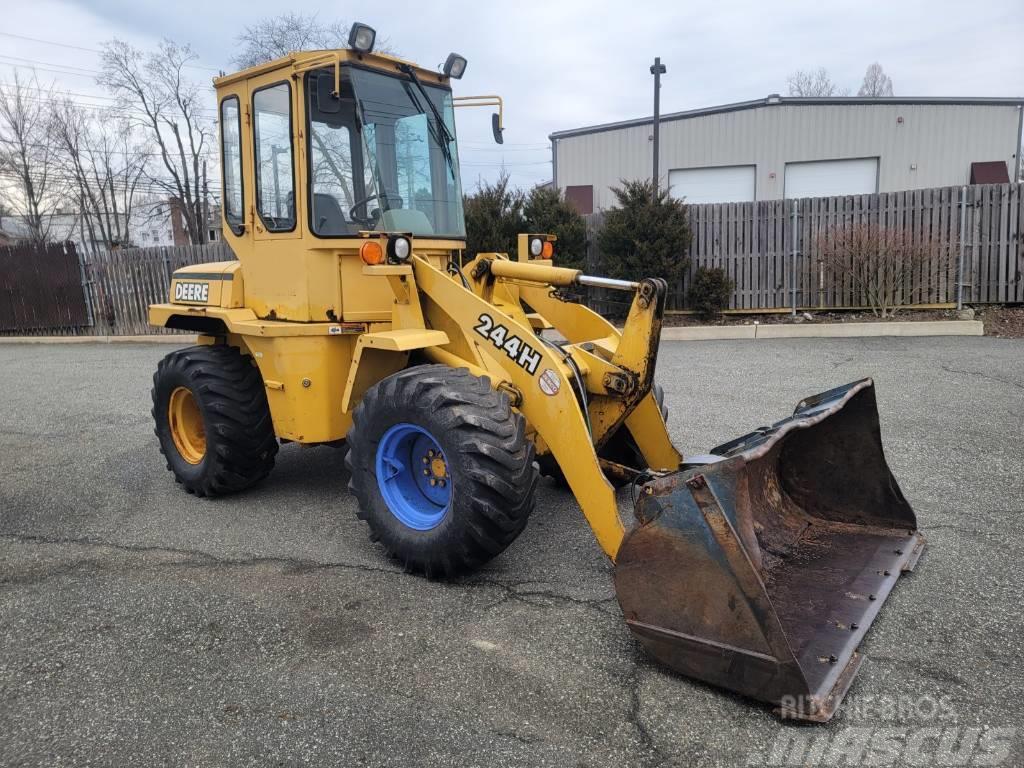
(773, 98)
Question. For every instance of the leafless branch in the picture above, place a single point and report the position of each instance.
(882, 264)
(29, 184)
(276, 36)
(153, 85)
(876, 82)
(814, 82)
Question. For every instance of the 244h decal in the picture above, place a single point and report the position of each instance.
(525, 356)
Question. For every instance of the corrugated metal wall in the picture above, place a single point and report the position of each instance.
(941, 140)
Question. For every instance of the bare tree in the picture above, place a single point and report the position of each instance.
(881, 263)
(170, 110)
(29, 180)
(814, 82)
(277, 36)
(876, 82)
(105, 164)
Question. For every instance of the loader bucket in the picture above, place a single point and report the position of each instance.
(761, 572)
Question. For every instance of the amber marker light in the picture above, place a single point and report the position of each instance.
(371, 253)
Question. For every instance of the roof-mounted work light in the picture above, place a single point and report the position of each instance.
(361, 37)
(454, 66)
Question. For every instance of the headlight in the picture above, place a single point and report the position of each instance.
(454, 66)
(361, 37)
(536, 246)
(399, 248)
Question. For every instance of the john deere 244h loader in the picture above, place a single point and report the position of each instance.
(351, 316)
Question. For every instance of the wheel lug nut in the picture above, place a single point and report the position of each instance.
(433, 482)
(441, 482)
(426, 459)
(426, 471)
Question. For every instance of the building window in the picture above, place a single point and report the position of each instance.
(581, 198)
(275, 178)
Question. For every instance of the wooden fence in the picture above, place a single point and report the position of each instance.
(122, 284)
(771, 247)
(112, 288)
(41, 288)
(55, 291)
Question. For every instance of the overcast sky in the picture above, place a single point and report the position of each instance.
(568, 63)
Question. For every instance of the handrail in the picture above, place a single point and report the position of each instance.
(490, 100)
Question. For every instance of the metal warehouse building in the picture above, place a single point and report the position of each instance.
(785, 147)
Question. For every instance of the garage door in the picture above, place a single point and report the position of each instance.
(723, 184)
(824, 178)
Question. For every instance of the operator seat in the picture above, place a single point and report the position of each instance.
(327, 215)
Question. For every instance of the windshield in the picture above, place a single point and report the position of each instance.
(379, 159)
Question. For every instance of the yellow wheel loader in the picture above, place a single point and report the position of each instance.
(352, 317)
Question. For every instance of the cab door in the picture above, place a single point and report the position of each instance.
(278, 282)
(275, 157)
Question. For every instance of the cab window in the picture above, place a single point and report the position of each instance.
(231, 155)
(275, 174)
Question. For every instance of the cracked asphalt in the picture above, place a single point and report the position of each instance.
(142, 626)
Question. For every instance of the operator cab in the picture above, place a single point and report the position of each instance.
(325, 151)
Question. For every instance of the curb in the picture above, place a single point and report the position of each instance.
(679, 333)
(825, 330)
(181, 339)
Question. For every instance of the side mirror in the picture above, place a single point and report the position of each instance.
(496, 128)
(326, 101)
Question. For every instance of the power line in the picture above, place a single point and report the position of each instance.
(90, 50)
(48, 69)
(209, 154)
(49, 64)
(58, 92)
(501, 149)
(119, 183)
(500, 164)
(121, 109)
(525, 145)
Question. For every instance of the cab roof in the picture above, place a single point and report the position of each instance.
(301, 61)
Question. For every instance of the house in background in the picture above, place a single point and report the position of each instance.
(179, 229)
(787, 147)
(155, 221)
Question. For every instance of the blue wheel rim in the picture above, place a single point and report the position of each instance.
(408, 459)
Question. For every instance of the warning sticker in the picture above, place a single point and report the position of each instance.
(550, 382)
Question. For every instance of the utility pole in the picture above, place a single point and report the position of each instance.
(204, 233)
(658, 69)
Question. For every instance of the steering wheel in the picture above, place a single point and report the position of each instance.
(360, 204)
(388, 201)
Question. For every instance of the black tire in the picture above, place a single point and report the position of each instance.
(621, 448)
(492, 481)
(240, 444)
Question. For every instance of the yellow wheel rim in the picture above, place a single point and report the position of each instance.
(186, 423)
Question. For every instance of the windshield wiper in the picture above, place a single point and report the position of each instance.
(443, 136)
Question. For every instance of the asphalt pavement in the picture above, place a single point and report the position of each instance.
(142, 626)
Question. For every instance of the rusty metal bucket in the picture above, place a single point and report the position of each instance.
(762, 572)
